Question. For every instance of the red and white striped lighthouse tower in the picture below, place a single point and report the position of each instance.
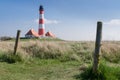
(41, 30)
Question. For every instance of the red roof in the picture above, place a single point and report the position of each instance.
(32, 32)
(50, 34)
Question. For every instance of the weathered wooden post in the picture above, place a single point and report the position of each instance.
(16, 42)
(97, 46)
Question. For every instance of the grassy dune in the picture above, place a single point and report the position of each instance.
(54, 60)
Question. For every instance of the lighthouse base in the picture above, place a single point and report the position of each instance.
(41, 32)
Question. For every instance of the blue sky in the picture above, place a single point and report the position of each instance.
(67, 19)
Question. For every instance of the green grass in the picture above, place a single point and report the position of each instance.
(38, 69)
(41, 39)
(104, 72)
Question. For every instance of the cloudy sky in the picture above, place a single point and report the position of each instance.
(67, 19)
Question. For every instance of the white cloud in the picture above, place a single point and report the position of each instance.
(47, 21)
(113, 22)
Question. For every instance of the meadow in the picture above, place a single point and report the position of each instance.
(57, 60)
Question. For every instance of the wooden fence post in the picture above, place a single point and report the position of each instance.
(97, 47)
(16, 42)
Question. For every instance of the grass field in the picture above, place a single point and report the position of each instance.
(39, 70)
(56, 60)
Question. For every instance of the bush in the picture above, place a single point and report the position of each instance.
(5, 38)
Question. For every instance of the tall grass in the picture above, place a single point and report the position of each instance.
(111, 51)
(105, 72)
(50, 50)
(9, 58)
(63, 50)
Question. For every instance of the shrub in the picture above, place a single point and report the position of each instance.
(5, 38)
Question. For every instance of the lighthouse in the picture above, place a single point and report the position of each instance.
(41, 29)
